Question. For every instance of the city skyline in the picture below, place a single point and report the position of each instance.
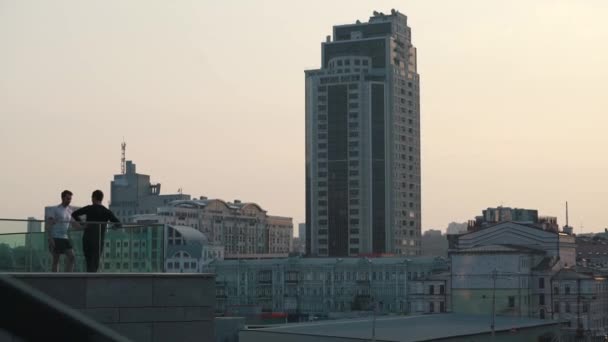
(511, 102)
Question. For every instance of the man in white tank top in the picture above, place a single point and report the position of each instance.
(59, 242)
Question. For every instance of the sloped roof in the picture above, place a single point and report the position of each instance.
(500, 249)
(190, 234)
(570, 274)
(402, 328)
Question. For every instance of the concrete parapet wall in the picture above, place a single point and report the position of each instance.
(143, 307)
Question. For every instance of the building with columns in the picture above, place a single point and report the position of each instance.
(323, 286)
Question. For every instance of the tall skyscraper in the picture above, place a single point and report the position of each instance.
(363, 142)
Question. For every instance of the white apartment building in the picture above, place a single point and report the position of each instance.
(243, 229)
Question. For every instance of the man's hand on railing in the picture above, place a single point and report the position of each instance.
(115, 226)
(76, 225)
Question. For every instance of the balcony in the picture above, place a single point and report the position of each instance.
(118, 303)
(131, 248)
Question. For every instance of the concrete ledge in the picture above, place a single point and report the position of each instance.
(103, 315)
(119, 292)
(165, 314)
(140, 306)
(191, 292)
(134, 331)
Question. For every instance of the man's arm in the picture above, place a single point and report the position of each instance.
(82, 211)
(76, 216)
(112, 218)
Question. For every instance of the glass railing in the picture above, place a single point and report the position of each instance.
(129, 248)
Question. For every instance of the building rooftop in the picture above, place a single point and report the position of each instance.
(409, 328)
(191, 235)
(571, 274)
(500, 249)
(203, 202)
(341, 261)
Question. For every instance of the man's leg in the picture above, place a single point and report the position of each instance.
(55, 265)
(69, 260)
(96, 255)
(88, 254)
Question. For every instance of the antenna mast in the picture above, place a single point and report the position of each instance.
(123, 148)
(566, 213)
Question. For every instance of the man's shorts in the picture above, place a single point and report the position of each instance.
(62, 245)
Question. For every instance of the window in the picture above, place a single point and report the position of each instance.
(567, 308)
(541, 299)
(431, 307)
(441, 307)
(441, 290)
(431, 289)
(511, 301)
(585, 307)
(541, 283)
(556, 290)
(567, 289)
(556, 307)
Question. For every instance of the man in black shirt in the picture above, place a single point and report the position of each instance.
(95, 229)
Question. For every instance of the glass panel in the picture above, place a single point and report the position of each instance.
(139, 247)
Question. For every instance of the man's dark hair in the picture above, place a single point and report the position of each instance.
(98, 195)
(65, 193)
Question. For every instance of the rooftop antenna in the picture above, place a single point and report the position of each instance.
(123, 148)
(566, 213)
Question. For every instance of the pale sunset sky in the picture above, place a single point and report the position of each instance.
(209, 96)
